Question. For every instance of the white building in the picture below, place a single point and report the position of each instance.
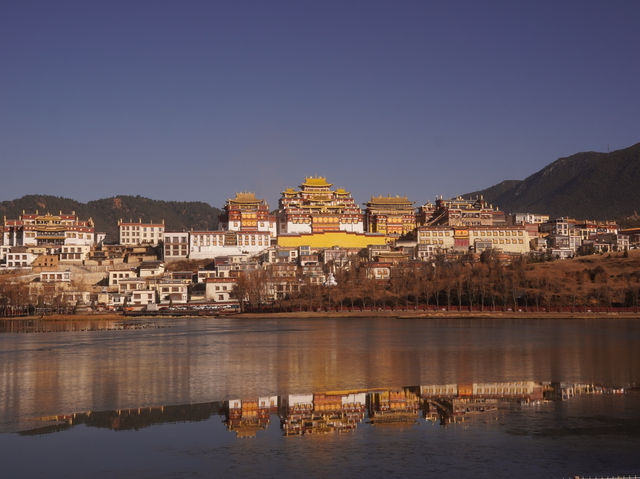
(126, 286)
(509, 239)
(150, 268)
(142, 297)
(74, 254)
(219, 290)
(21, 259)
(116, 275)
(55, 277)
(140, 233)
(173, 291)
(530, 218)
(176, 245)
(212, 244)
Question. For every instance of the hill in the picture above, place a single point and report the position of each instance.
(106, 212)
(585, 185)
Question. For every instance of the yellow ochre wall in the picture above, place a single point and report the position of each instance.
(329, 239)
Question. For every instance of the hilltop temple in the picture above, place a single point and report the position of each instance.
(48, 230)
(319, 216)
(393, 216)
(245, 212)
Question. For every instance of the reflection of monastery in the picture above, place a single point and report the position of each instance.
(328, 412)
(390, 406)
(322, 413)
(247, 417)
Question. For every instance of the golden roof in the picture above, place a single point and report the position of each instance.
(316, 181)
(391, 200)
(245, 197)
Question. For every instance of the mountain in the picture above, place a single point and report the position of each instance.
(177, 215)
(585, 185)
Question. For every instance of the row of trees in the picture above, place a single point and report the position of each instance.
(464, 284)
(17, 299)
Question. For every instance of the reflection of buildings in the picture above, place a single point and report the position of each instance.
(317, 413)
(393, 406)
(453, 402)
(127, 419)
(322, 413)
(247, 417)
(451, 409)
(564, 391)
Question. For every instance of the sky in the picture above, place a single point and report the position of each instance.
(195, 100)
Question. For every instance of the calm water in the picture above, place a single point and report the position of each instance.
(181, 398)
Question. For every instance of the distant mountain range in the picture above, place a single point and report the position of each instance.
(587, 185)
(106, 212)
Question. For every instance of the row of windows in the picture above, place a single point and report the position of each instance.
(70, 255)
(476, 233)
(501, 390)
(142, 228)
(442, 390)
(497, 233)
(17, 264)
(54, 276)
(150, 235)
(175, 239)
(245, 240)
(124, 274)
(176, 251)
(208, 240)
(174, 289)
(495, 241)
(72, 249)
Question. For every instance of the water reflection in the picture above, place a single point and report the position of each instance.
(338, 411)
(72, 326)
(191, 361)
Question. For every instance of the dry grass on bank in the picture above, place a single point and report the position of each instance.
(610, 274)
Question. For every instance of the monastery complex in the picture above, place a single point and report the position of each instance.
(316, 231)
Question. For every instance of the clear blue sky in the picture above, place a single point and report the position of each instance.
(194, 100)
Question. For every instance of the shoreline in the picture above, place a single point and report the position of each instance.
(397, 314)
(409, 314)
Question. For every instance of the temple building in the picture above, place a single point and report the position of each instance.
(316, 208)
(442, 239)
(320, 217)
(48, 230)
(246, 213)
(393, 216)
(460, 212)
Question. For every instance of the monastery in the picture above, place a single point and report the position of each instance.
(320, 217)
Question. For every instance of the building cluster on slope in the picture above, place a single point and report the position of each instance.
(315, 231)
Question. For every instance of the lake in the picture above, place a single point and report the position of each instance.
(340, 397)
